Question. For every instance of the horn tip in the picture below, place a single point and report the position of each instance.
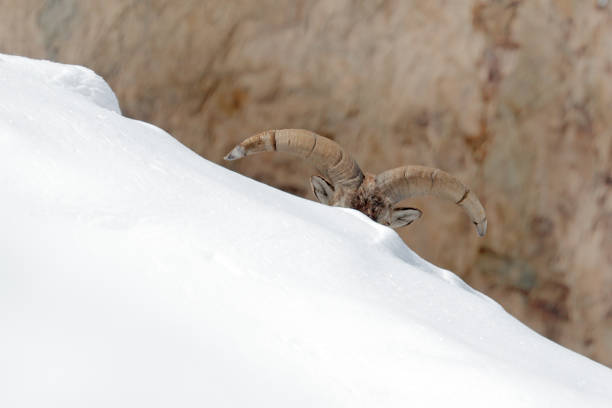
(237, 152)
(481, 227)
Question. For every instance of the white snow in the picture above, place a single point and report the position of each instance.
(135, 273)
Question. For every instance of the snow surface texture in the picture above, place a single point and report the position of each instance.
(135, 273)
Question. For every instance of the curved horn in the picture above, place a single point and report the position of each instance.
(328, 157)
(410, 181)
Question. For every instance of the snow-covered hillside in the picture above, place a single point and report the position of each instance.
(135, 273)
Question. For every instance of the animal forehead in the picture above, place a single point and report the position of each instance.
(367, 200)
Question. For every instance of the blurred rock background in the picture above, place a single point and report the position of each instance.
(513, 97)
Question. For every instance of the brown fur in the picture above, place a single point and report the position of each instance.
(369, 204)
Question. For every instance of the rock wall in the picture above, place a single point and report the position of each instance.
(511, 96)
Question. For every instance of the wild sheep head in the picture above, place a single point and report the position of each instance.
(344, 184)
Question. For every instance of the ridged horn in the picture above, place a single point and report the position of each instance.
(410, 181)
(327, 156)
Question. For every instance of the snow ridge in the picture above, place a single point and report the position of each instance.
(134, 272)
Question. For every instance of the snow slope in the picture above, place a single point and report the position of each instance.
(135, 273)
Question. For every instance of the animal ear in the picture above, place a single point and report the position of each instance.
(404, 216)
(322, 189)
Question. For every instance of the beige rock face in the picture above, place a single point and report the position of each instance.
(513, 97)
